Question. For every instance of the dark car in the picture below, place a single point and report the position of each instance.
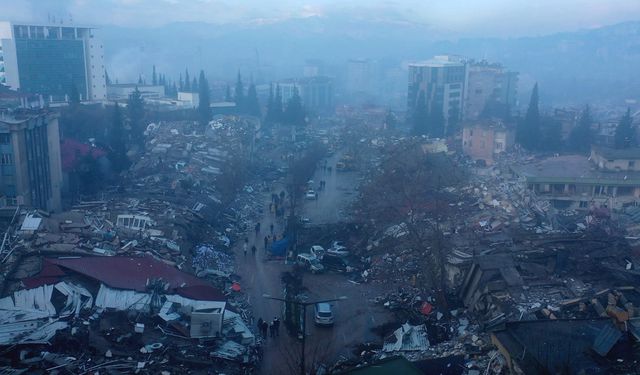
(340, 264)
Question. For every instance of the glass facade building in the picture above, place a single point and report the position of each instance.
(51, 66)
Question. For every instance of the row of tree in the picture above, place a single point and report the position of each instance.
(543, 133)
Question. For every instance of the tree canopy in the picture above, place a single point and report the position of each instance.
(528, 131)
(204, 105)
(625, 136)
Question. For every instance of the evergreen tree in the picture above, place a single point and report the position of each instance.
(106, 78)
(194, 85)
(253, 107)
(528, 132)
(204, 108)
(420, 116)
(135, 113)
(174, 90)
(227, 95)
(187, 81)
(269, 117)
(118, 154)
(625, 136)
(453, 123)
(390, 120)
(140, 82)
(436, 123)
(154, 76)
(239, 94)
(581, 137)
(295, 114)
(74, 95)
(550, 135)
(278, 111)
(181, 84)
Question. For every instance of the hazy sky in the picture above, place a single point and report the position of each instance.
(453, 17)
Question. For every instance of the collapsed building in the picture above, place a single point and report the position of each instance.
(608, 178)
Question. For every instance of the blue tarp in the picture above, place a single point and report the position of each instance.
(279, 248)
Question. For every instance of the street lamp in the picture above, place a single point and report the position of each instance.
(304, 318)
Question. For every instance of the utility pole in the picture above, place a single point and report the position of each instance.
(303, 333)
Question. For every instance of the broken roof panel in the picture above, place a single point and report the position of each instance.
(606, 339)
(407, 338)
(133, 273)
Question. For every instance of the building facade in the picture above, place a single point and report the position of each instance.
(489, 85)
(30, 166)
(442, 80)
(122, 91)
(316, 92)
(605, 179)
(484, 140)
(50, 59)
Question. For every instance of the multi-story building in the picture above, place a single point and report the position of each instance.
(122, 91)
(485, 139)
(489, 84)
(50, 59)
(442, 80)
(30, 166)
(360, 76)
(608, 178)
(316, 92)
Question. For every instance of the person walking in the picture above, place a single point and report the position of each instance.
(266, 242)
(245, 246)
(260, 325)
(264, 328)
(271, 228)
(272, 329)
(276, 324)
(253, 250)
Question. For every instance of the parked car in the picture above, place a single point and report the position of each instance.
(318, 251)
(340, 263)
(323, 314)
(310, 262)
(338, 249)
(311, 195)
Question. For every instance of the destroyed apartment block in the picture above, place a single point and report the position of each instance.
(575, 346)
(608, 178)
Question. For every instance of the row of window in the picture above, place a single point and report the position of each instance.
(6, 159)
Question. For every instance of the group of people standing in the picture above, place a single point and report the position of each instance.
(273, 327)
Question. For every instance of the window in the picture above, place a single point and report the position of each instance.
(5, 138)
(632, 164)
(6, 159)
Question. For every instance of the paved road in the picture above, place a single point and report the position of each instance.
(354, 317)
(339, 192)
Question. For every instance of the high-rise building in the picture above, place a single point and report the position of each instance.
(316, 92)
(360, 76)
(30, 166)
(491, 87)
(442, 81)
(49, 59)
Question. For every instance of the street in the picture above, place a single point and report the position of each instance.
(354, 317)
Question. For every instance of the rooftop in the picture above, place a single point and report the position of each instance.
(573, 168)
(488, 123)
(613, 154)
(131, 273)
(551, 345)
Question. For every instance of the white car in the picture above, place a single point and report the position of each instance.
(338, 249)
(311, 195)
(323, 314)
(317, 251)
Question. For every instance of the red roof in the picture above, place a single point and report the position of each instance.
(133, 272)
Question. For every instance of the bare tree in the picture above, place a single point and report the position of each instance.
(410, 191)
